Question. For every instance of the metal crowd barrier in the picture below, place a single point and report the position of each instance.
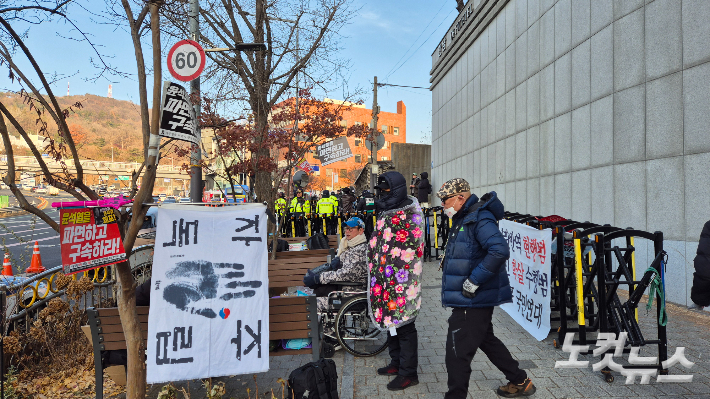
(590, 266)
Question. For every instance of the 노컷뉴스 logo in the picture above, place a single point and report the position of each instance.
(606, 342)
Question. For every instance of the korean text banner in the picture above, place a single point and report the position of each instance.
(86, 245)
(334, 150)
(529, 274)
(177, 115)
(209, 305)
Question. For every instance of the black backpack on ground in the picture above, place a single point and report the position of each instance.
(315, 380)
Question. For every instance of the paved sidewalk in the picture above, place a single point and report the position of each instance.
(685, 328)
(358, 378)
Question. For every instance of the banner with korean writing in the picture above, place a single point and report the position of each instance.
(305, 166)
(529, 273)
(86, 244)
(209, 305)
(334, 150)
(177, 115)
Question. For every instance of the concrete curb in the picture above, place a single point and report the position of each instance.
(12, 211)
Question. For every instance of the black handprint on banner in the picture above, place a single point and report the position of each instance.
(192, 283)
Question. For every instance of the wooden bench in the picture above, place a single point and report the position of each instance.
(289, 318)
(289, 272)
(333, 240)
(311, 253)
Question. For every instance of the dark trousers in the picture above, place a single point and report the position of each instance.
(299, 223)
(404, 350)
(470, 329)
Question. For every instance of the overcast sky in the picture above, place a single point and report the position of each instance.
(392, 39)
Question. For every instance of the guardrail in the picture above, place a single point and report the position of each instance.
(23, 302)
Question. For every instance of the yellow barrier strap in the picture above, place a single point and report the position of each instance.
(580, 288)
(436, 233)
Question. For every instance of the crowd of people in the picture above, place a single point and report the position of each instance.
(389, 265)
(323, 208)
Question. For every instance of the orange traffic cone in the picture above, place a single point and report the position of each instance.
(6, 266)
(36, 264)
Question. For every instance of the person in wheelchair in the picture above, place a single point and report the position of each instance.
(349, 266)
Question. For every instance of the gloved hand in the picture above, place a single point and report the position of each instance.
(335, 264)
(469, 289)
(311, 280)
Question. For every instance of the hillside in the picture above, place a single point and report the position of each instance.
(102, 125)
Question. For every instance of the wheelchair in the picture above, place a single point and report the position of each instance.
(347, 323)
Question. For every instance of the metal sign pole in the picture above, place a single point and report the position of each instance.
(196, 155)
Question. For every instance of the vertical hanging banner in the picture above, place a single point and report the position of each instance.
(529, 274)
(209, 305)
(177, 115)
(88, 242)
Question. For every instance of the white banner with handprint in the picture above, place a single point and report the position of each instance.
(209, 305)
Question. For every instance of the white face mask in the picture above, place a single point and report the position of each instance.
(450, 212)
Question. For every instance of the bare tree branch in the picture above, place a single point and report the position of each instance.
(10, 179)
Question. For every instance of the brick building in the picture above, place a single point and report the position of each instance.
(394, 127)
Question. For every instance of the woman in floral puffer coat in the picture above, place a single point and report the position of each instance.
(395, 268)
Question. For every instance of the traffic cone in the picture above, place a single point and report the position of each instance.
(36, 264)
(6, 266)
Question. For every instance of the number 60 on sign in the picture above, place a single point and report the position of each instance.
(186, 60)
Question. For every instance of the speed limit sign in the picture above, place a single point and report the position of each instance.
(186, 60)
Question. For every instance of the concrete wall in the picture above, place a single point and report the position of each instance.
(411, 158)
(590, 109)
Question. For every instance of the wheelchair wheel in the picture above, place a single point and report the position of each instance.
(356, 332)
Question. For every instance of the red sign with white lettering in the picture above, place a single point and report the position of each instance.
(84, 244)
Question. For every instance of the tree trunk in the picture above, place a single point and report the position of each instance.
(135, 346)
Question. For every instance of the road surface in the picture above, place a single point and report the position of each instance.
(19, 233)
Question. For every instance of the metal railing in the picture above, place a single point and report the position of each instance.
(24, 301)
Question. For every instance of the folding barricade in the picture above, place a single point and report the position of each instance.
(587, 273)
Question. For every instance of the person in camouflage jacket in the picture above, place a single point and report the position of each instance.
(350, 265)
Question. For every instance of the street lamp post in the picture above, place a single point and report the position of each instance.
(196, 154)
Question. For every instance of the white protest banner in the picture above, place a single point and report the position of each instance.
(209, 305)
(529, 274)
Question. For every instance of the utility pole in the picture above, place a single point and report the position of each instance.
(196, 155)
(373, 140)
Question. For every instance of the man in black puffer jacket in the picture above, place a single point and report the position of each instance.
(475, 281)
(700, 293)
(424, 190)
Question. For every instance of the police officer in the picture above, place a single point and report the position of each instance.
(280, 206)
(325, 210)
(300, 208)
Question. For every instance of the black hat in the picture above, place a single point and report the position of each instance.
(382, 183)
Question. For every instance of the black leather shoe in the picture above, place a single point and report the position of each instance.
(401, 383)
